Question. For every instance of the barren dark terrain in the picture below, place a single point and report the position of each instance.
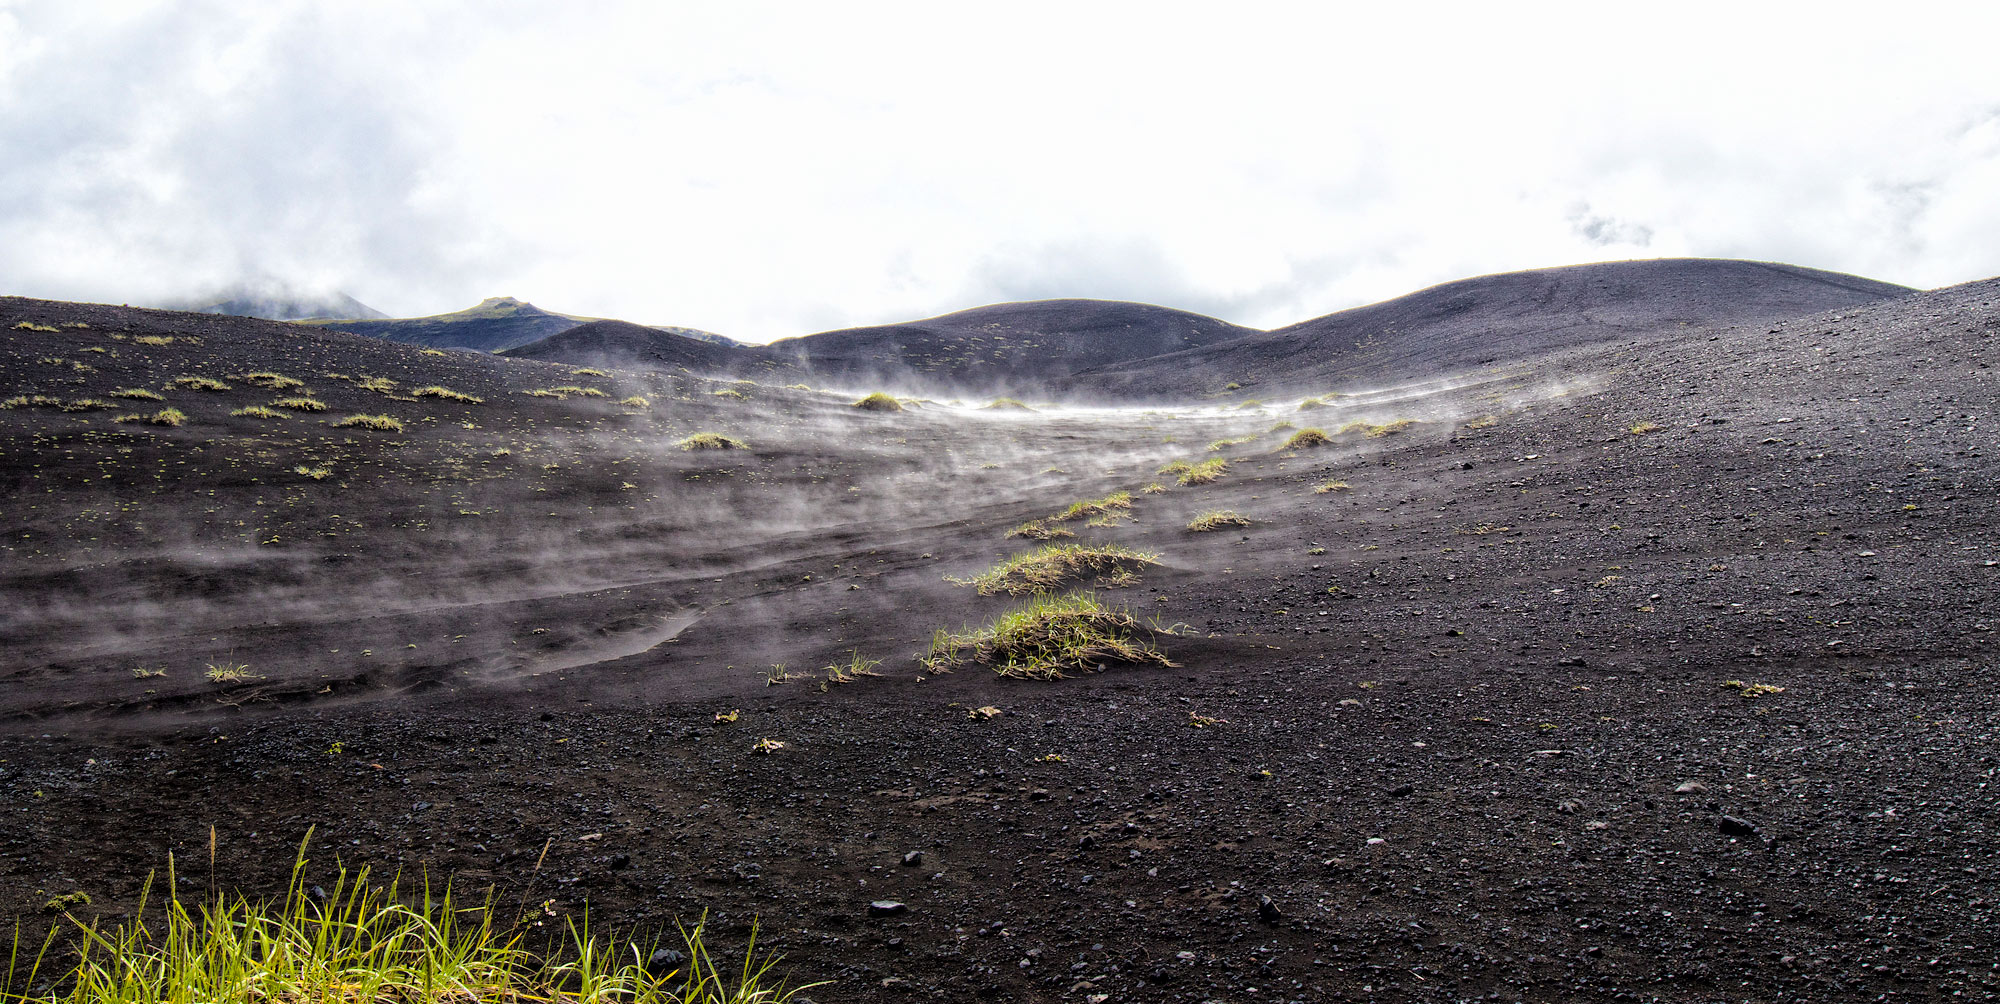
(1652, 660)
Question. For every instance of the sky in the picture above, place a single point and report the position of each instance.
(765, 170)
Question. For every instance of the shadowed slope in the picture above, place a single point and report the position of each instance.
(1496, 319)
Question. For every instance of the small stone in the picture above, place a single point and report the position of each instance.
(1376, 841)
(1267, 911)
(886, 908)
(1597, 824)
(1568, 808)
(1086, 842)
(620, 862)
(664, 958)
(1402, 790)
(913, 859)
(1690, 788)
(1737, 826)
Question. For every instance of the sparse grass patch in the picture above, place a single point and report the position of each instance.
(168, 417)
(711, 441)
(147, 673)
(447, 394)
(229, 672)
(196, 383)
(137, 394)
(1058, 565)
(32, 326)
(1307, 438)
(271, 381)
(1216, 519)
(431, 352)
(315, 473)
(379, 423)
(1391, 428)
(1206, 472)
(1155, 488)
(636, 401)
(1644, 427)
(589, 371)
(1223, 444)
(380, 385)
(1751, 691)
(854, 668)
(1114, 502)
(729, 393)
(258, 411)
(1331, 486)
(1045, 638)
(122, 419)
(88, 404)
(1039, 529)
(1005, 404)
(1311, 403)
(154, 340)
(299, 404)
(879, 401)
(1483, 422)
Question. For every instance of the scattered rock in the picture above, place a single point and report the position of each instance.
(1267, 911)
(1402, 790)
(1737, 826)
(913, 859)
(886, 908)
(1690, 788)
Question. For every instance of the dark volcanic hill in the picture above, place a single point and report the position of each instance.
(495, 324)
(1002, 347)
(622, 343)
(1100, 349)
(1493, 320)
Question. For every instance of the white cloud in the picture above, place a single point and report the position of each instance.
(770, 169)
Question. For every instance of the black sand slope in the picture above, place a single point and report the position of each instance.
(1497, 320)
(624, 344)
(1652, 664)
(1006, 347)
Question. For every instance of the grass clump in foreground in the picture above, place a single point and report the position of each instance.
(380, 423)
(258, 411)
(711, 441)
(1005, 404)
(366, 941)
(1216, 519)
(169, 417)
(879, 401)
(137, 394)
(1308, 438)
(300, 404)
(1046, 638)
(1326, 487)
(1057, 565)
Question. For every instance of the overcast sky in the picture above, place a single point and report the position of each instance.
(770, 170)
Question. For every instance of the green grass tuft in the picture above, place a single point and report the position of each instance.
(1058, 565)
(711, 441)
(879, 401)
(1046, 638)
(1216, 519)
(379, 423)
(1305, 438)
(258, 411)
(1005, 404)
(362, 940)
(299, 404)
(168, 417)
(137, 394)
(1206, 472)
(196, 383)
(447, 394)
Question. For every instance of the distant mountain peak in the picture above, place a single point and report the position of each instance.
(276, 300)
